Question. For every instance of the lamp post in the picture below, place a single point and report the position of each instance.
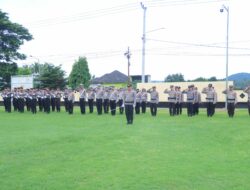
(227, 37)
(143, 42)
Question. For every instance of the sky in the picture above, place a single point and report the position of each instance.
(182, 36)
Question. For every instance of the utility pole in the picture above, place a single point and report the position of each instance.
(143, 42)
(227, 38)
(128, 55)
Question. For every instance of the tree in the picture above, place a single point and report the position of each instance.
(51, 77)
(25, 70)
(12, 36)
(178, 77)
(79, 73)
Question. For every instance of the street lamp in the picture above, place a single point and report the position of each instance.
(227, 36)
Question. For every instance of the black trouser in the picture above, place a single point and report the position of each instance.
(172, 108)
(58, 104)
(40, 104)
(91, 105)
(143, 107)
(190, 108)
(99, 106)
(8, 104)
(21, 105)
(106, 105)
(82, 105)
(53, 104)
(66, 104)
(28, 103)
(33, 105)
(230, 109)
(153, 109)
(249, 107)
(70, 106)
(129, 110)
(121, 109)
(177, 108)
(47, 105)
(137, 108)
(15, 104)
(113, 107)
(210, 109)
(196, 108)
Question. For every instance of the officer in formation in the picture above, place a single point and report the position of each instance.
(91, 97)
(197, 101)
(154, 100)
(129, 99)
(144, 99)
(99, 99)
(71, 100)
(211, 99)
(231, 96)
(113, 99)
(138, 102)
(247, 90)
(172, 100)
(82, 100)
(106, 97)
(179, 100)
(120, 100)
(190, 100)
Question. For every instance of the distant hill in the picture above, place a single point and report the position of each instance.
(239, 76)
(241, 80)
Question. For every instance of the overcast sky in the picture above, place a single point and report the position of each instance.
(192, 41)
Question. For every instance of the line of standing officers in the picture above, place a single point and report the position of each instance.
(107, 99)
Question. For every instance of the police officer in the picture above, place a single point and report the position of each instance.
(106, 96)
(144, 99)
(58, 100)
(231, 100)
(113, 100)
(99, 100)
(129, 100)
(179, 100)
(138, 102)
(71, 100)
(120, 100)
(171, 99)
(197, 101)
(190, 100)
(91, 97)
(33, 102)
(211, 99)
(247, 90)
(53, 100)
(66, 101)
(154, 100)
(82, 102)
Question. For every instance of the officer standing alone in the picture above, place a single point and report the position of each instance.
(129, 100)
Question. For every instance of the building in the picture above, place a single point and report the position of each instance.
(137, 78)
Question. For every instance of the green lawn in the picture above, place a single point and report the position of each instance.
(90, 152)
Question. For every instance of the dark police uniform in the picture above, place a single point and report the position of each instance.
(83, 100)
(144, 99)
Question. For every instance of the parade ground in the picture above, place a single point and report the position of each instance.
(58, 151)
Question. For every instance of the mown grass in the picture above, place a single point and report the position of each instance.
(61, 151)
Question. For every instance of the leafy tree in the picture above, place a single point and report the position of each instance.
(12, 36)
(79, 73)
(199, 79)
(50, 77)
(178, 77)
(25, 70)
(213, 79)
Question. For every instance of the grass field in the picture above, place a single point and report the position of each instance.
(89, 152)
